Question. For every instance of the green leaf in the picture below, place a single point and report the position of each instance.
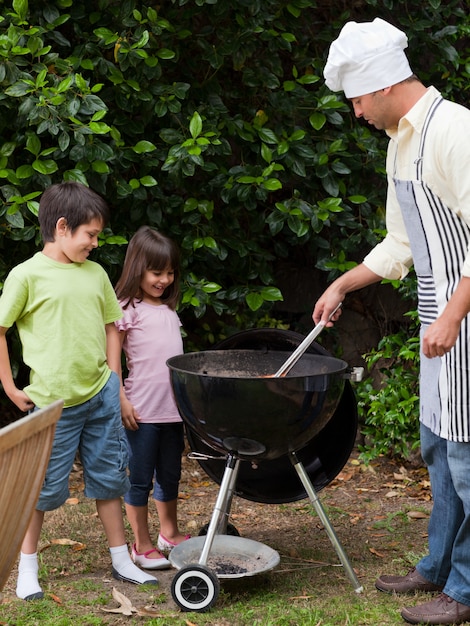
(115, 240)
(148, 181)
(99, 128)
(144, 146)
(65, 84)
(209, 242)
(64, 141)
(317, 120)
(211, 287)
(357, 199)
(272, 184)
(266, 153)
(19, 89)
(76, 175)
(195, 125)
(21, 8)
(267, 135)
(24, 171)
(289, 85)
(254, 301)
(33, 207)
(271, 294)
(101, 167)
(106, 34)
(164, 53)
(45, 166)
(7, 148)
(99, 115)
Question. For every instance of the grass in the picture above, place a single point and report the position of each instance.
(237, 607)
(308, 588)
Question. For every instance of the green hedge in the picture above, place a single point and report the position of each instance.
(208, 119)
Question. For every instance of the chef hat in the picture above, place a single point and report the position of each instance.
(367, 57)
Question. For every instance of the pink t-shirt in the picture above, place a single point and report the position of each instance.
(152, 336)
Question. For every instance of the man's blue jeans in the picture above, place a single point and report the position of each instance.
(448, 561)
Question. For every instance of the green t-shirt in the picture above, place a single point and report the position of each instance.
(60, 310)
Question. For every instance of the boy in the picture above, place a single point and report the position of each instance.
(64, 308)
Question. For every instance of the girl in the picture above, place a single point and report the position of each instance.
(148, 292)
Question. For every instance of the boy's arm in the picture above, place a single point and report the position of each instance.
(17, 396)
(114, 340)
(113, 348)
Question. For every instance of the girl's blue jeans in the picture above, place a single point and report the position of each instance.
(154, 457)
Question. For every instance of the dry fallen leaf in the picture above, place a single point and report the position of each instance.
(394, 486)
(147, 612)
(400, 476)
(125, 608)
(417, 514)
(345, 476)
(76, 545)
(376, 552)
(72, 501)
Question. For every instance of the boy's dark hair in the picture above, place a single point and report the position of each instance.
(77, 203)
(149, 250)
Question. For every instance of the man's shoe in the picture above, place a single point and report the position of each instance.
(413, 581)
(441, 610)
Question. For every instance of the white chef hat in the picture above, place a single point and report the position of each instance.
(367, 57)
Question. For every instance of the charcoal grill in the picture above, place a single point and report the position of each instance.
(231, 407)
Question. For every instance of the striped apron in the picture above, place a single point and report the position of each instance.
(439, 242)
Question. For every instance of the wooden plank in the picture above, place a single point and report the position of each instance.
(25, 448)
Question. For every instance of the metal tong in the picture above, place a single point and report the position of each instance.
(302, 347)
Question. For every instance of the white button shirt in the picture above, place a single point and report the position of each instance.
(446, 170)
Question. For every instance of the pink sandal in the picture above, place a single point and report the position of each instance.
(143, 561)
(165, 545)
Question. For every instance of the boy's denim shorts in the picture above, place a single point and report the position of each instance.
(95, 429)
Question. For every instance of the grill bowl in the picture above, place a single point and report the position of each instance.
(229, 399)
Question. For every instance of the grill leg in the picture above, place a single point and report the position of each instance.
(320, 511)
(222, 503)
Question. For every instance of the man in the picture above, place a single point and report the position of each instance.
(428, 226)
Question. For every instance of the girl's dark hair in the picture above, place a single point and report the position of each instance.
(77, 203)
(148, 250)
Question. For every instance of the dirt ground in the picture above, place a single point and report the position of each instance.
(379, 512)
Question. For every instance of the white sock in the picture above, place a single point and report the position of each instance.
(27, 585)
(126, 569)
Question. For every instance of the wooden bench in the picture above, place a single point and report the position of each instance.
(25, 448)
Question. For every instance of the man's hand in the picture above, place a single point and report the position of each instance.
(439, 338)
